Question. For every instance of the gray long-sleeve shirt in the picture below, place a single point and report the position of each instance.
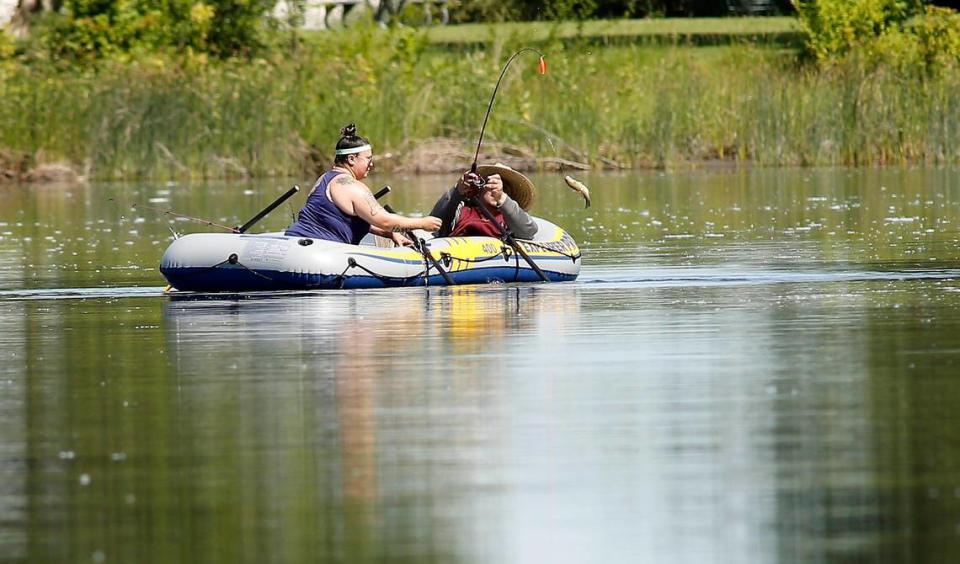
(518, 221)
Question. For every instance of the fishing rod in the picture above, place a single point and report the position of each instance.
(573, 183)
(479, 183)
(542, 67)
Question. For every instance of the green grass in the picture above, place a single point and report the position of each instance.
(671, 28)
(636, 105)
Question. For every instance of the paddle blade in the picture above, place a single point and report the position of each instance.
(543, 65)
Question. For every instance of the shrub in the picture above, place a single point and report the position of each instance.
(7, 48)
(882, 33)
(90, 29)
(836, 27)
(937, 34)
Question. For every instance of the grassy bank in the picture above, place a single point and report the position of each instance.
(620, 105)
(672, 29)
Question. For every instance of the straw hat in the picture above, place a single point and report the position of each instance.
(516, 185)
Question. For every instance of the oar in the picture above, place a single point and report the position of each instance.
(420, 245)
(507, 236)
(425, 251)
(283, 198)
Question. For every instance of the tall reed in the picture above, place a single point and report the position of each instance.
(636, 105)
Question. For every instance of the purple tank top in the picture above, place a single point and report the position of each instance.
(320, 218)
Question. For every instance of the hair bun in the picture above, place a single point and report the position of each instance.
(350, 130)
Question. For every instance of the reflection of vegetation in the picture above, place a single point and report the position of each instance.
(370, 426)
(97, 416)
(912, 395)
(134, 464)
(80, 237)
(273, 428)
(851, 215)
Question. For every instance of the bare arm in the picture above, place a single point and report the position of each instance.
(398, 238)
(354, 198)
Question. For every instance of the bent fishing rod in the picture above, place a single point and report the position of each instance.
(541, 67)
(478, 183)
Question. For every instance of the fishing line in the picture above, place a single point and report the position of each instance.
(241, 229)
(542, 67)
(172, 213)
(478, 182)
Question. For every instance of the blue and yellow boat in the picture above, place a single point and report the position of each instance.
(214, 262)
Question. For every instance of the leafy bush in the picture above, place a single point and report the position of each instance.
(836, 27)
(937, 34)
(897, 34)
(89, 29)
(570, 9)
(7, 48)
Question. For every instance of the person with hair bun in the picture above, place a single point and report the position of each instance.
(342, 208)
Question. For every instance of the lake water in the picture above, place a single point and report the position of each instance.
(754, 366)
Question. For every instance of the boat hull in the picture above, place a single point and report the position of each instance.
(227, 262)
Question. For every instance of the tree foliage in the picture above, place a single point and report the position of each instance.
(897, 33)
(835, 27)
(87, 29)
(937, 35)
(6, 44)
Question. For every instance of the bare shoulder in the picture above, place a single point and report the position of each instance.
(347, 186)
(347, 180)
(355, 194)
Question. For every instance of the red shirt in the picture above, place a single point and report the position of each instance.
(473, 222)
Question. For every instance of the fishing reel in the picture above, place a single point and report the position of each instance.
(472, 185)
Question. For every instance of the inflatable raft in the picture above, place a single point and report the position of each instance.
(212, 262)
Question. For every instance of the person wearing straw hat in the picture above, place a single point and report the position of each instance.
(507, 194)
(342, 208)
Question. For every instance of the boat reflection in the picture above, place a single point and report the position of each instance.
(356, 380)
(367, 331)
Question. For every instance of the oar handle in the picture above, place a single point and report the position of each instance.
(283, 198)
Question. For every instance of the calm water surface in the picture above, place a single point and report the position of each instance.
(754, 366)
